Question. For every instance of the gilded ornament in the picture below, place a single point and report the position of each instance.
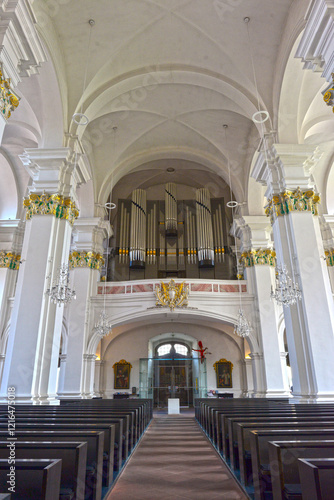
(91, 260)
(329, 94)
(9, 260)
(51, 204)
(329, 253)
(172, 295)
(292, 201)
(8, 100)
(260, 257)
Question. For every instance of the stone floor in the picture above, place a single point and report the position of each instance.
(174, 460)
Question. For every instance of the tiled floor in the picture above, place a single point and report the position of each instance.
(175, 461)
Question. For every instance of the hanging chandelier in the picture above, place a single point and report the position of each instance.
(103, 326)
(61, 293)
(242, 328)
(287, 292)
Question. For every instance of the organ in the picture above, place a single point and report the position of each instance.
(172, 237)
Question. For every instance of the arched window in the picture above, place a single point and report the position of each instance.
(175, 349)
(164, 349)
(181, 349)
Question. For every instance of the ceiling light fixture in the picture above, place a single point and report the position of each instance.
(60, 292)
(242, 327)
(80, 118)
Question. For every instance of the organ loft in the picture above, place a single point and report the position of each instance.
(172, 237)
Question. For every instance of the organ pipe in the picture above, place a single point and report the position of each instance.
(170, 209)
(138, 229)
(124, 235)
(204, 228)
(151, 238)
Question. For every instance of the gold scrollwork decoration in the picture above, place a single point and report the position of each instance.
(8, 100)
(9, 260)
(292, 201)
(260, 257)
(53, 204)
(172, 295)
(329, 254)
(92, 260)
(328, 96)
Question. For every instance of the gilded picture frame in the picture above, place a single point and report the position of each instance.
(223, 369)
(122, 371)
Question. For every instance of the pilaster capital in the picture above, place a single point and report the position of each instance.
(316, 45)
(256, 355)
(259, 231)
(90, 358)
(90, 233)
(8, 230)
(53, 170)
(21, 50)
(285, 166)
(327, 230)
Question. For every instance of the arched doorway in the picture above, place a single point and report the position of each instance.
(173, 374)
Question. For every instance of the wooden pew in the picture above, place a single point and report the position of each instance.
(244, 444)
(317, 478)
(34, 479)
(283, 463)
(95, 444)
(276, 420)
(221, 416)
(121, 430)
(226, 428)
(129, 426)
(109, 439)
(73, 456)
(259, 446)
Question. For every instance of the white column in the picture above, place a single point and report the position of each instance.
(259, 260)
(34, 338)
(327, 229)
(11, 237)
(88, 372)
(86, 261)
(257, 366)
(249, 375)
(62, 368)
(98, 378)
(298, 244)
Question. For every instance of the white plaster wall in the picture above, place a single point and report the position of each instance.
(131, 344)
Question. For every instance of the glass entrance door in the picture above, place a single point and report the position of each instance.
(173, 379)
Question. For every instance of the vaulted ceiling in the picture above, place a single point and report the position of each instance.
(169, 75)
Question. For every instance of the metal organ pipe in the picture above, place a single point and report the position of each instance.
(221, 233)
(170, 208)
(204, 228)
(138, 229)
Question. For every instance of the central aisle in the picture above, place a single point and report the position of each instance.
(174, 460)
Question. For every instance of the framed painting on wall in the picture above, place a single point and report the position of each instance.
(223, 369)
(122, 374)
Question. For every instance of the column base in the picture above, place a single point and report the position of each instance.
(69, 395)
(311, 398)
(278, 394)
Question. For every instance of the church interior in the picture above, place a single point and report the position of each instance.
(167, 231)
